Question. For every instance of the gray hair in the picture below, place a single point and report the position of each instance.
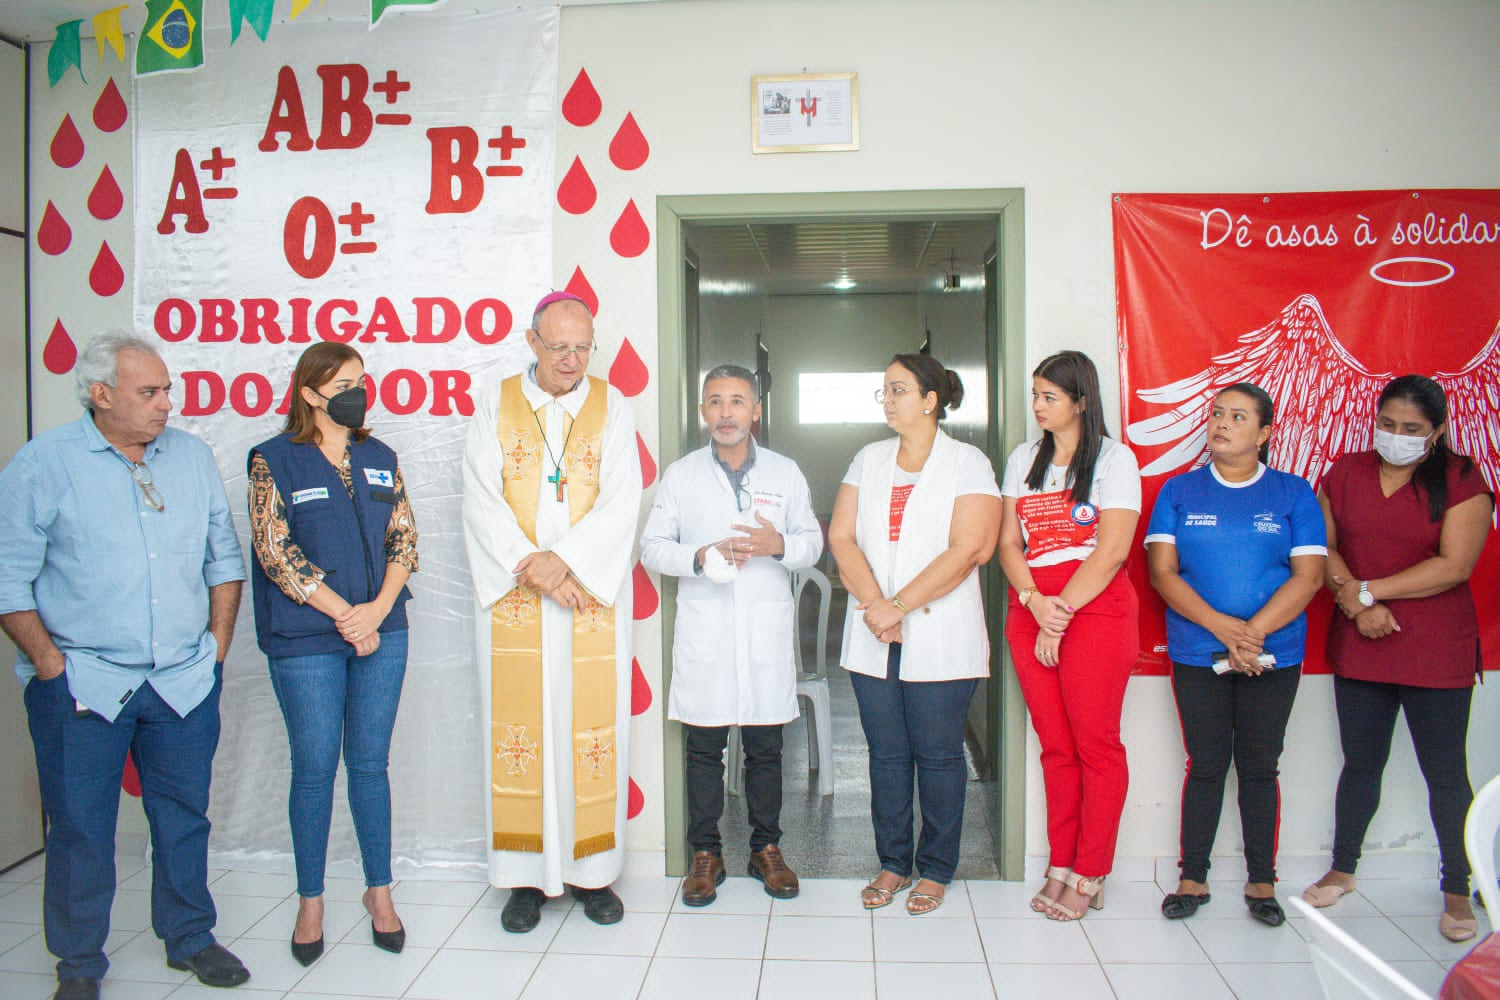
(734, 371)
(100, 362)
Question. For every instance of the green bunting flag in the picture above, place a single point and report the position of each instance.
(172, 38)
(379, 7)
(257, 12)
(65, 53)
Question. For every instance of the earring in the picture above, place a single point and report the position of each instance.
(926, 413)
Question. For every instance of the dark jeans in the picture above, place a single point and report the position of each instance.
(330, 699)
(1235, 717)
(705, 784)
(1438, 719)
(80, 760)
(915, 729)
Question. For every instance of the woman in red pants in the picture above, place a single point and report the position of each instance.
(1071, 502)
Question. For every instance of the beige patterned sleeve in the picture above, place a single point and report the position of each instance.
(401, 531)
(283, 560)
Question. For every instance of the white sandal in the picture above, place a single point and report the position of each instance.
(1093, 888)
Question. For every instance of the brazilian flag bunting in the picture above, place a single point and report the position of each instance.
(172, 38)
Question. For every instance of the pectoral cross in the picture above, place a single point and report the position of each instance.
(560, 479)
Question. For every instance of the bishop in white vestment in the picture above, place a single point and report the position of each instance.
(562, 579)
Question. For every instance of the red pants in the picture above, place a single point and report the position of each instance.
(1075, 708)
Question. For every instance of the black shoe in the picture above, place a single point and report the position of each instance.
(1266, 910)
(391, 941)
(84, 988)
(307, 952)
(523, 910)
(601, 906)
(1181, 905)
(214, 966)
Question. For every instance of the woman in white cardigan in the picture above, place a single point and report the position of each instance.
(915, 518)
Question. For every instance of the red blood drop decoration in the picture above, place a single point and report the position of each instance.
(53, 236)
(105, 201)
(59, 353)
(628, 149)
(581, 105)
(109, 109)
(628, 373)
(648, 464)
(576, 193)
(579, 286)
(106, 277)
(630, 238)
(635, 801)
(640, 691)
(131, 779)
(67, 144)
(646, 598)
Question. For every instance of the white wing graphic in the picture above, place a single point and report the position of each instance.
(1325, 399)
(1474, 409)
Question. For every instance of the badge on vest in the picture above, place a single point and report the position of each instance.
(380, 477)
(316, 493)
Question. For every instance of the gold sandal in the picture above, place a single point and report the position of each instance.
(1090, 888)
(875, 896)
(919, 903)
(1041, 900)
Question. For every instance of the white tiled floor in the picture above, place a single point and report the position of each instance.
(983, 942)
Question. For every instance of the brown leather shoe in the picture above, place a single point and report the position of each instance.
(770, 867)
(707, 874)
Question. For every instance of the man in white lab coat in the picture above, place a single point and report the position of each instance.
(552, 490)
(731, 520)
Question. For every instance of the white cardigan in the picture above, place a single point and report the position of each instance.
(941, 641)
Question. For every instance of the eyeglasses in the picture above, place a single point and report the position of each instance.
(141, 473)
(894, 392)
(563, 350)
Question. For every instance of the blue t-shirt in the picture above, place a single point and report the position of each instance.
(1235, 542)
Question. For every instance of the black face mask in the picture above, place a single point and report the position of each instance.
(347, 408)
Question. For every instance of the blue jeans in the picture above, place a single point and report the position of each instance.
(915, 727)
(326, 699)
(80, 760)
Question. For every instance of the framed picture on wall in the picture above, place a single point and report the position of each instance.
(804, 113)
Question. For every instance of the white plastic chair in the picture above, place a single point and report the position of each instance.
(812, 685)
(1479, 841)
(1346, 969)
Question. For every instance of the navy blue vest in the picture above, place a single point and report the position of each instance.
(345, 538)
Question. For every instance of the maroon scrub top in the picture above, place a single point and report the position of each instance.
(1379, 536)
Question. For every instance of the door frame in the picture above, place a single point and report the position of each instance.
(1006, 364)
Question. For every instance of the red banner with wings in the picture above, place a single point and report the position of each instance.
(1320, 298)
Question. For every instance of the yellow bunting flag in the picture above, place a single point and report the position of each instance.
(107, 31)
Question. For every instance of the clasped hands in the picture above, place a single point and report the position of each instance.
(761, 540)
(1243, 644)
(546, 573)
(360, 626)
(882, 618)
(1053, 616)
(1374, 622)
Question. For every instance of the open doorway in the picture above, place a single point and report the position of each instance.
(817, 292)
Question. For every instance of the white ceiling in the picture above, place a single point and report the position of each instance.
(842, 255)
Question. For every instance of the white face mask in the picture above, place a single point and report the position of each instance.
(1400, 449)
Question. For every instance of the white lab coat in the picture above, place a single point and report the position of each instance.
(732, 656)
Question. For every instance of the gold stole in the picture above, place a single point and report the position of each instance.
(516, 671)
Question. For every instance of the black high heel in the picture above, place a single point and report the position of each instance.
(307, 952)
(391, 941)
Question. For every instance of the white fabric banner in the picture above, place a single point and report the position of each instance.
(391, 189)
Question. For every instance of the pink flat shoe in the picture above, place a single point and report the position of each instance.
(1324, 896)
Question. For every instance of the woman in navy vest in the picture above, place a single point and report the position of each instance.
(334, 544)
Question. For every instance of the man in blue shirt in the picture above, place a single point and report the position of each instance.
(120, 581)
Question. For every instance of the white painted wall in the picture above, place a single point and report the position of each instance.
(1070, 100)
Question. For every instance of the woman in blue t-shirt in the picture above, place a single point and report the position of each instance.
(1237, 551)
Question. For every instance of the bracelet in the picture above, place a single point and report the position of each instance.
(900, 605)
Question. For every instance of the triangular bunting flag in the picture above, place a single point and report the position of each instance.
(379, 7)
(257, 12)
(172, 38)
(107, 31)
(298, 6)
(64, 54)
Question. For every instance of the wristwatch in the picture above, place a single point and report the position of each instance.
(1365, 598)
(1025, 597)
(900, 605)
